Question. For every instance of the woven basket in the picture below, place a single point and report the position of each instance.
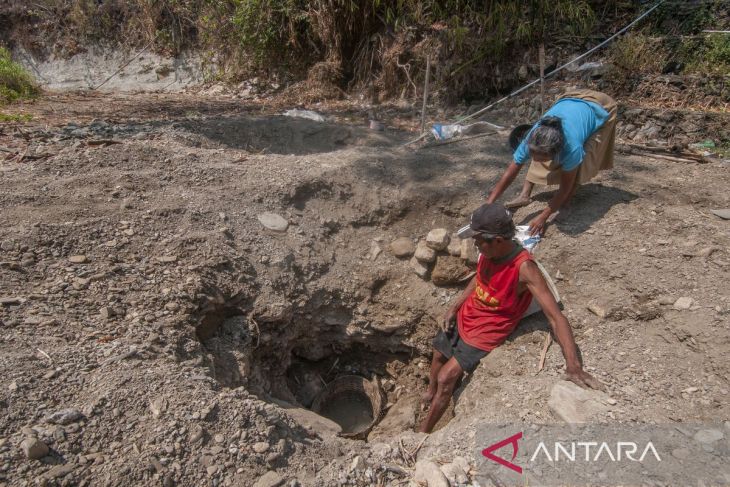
(359, 387)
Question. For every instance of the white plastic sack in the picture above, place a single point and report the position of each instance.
(308, 114)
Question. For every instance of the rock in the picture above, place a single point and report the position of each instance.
(358, 464)
(424, 253)
(708, 436)
(469, 252)
(260, 447)
(683, 303)
(400, 417)
(269, 479)
(431, 474)
(454, 473)
(597, 310)
(167, 259)
(273, 222)
(454, 247)
(420, 269)
(219, 438)
(402, 247)
(380, 450)
(375, 251)
(106, 312)
(212, 470)
(438, 239)
(64, 416)
(78, 259)
(462, 462)
(522, 72)
(33, 448)
(158, 406)
(10, 301)
(59, 471)
(196, 434)
(722, 213)
(448, 270)
(575, 405)
(313, 423)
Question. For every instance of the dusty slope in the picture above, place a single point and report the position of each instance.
(135, 337)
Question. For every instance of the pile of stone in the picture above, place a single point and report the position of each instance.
(444, 259)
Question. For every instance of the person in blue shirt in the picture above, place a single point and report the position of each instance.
(572, 141)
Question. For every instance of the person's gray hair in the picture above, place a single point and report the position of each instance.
(548, 137)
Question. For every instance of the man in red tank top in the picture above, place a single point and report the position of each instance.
(490, 309)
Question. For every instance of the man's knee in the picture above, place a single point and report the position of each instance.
(447, 379)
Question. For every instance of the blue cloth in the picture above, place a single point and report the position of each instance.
(580, 120)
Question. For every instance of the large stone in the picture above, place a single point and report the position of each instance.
(469, 252)
(77, 259)
(402, 247)
(708, 436)
(424, 253)
(438, 239)
(454, 473)
(448, 270)
(575, 405)
(454, 247)
(273, 222)
(400, 417)
(65, 416)
(431, 474)
(419, 268)
(33, 448)
(269, 479)
(312, 422)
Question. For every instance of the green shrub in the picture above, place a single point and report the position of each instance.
(15, 82)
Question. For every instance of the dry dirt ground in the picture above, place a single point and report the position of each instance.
(153, 332)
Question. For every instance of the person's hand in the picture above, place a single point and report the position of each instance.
(449, 320)
(537, 225)
(584, 379)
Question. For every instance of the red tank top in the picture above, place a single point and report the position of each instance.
(494, 309)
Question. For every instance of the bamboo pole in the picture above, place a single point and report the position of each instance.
(425, 93)
(542, 79)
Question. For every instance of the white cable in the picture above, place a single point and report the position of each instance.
(533, 83)
(475, 114)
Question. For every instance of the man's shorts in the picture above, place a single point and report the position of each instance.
(450, 345)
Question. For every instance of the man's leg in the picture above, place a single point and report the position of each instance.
(446, 380)
(438, 360)
(524, 197)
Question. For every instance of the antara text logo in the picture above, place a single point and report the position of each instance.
(575, 451)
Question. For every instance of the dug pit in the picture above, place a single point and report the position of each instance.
(369, 392)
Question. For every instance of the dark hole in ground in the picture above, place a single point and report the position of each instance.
(235, 358)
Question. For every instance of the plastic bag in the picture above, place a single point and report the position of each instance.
(445, 132)
(529, 242)
(308, 114)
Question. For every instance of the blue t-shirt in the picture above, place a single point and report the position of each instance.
(580, 119)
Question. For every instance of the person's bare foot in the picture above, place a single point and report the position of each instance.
(518, 202)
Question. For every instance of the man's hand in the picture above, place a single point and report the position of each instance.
(537, 225)
(449, 320)
(584, 379)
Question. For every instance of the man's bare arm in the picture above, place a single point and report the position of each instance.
(454, 308)
(531, 276)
